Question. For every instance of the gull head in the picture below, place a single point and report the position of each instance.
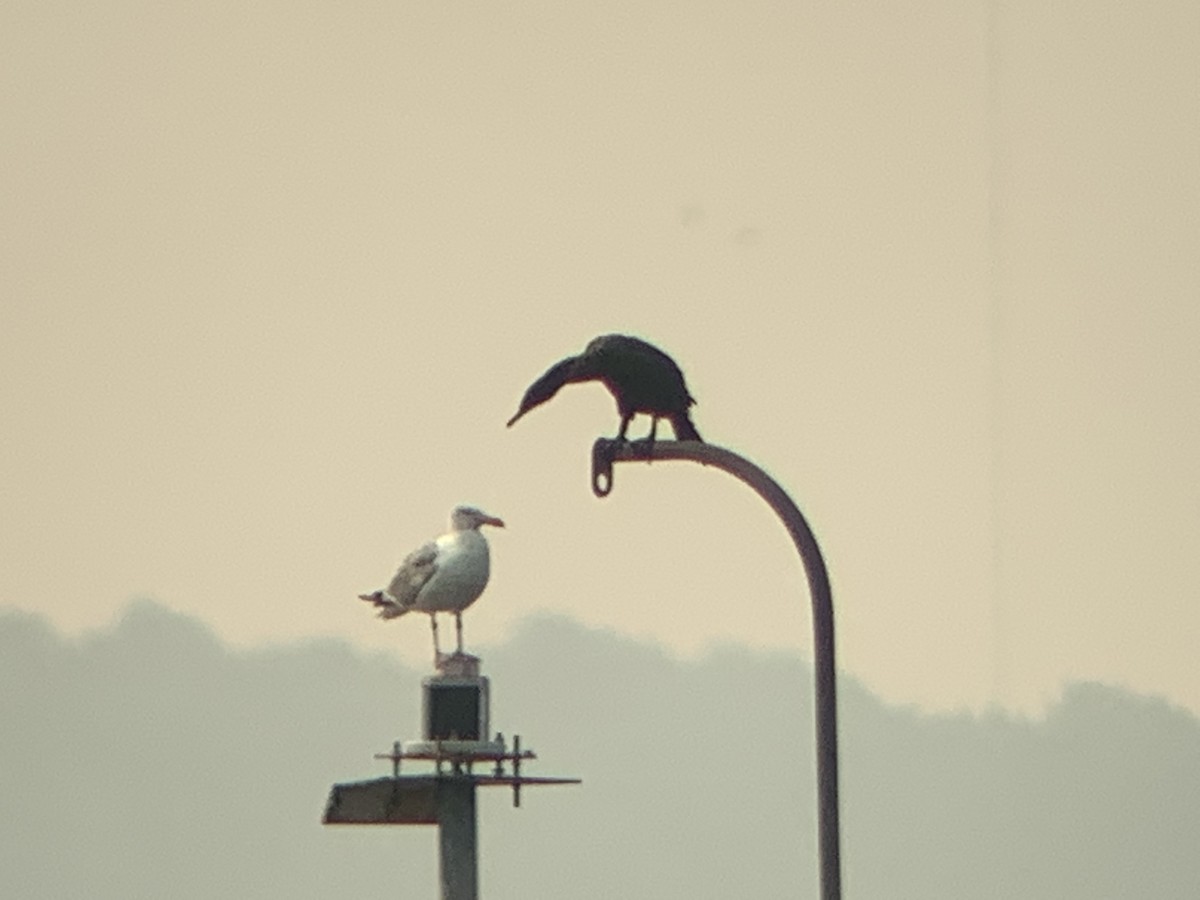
(468, 518)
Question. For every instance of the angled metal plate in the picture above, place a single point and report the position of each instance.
(407, 800)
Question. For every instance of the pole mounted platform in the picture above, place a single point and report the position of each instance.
(456, 717)
(606, 452)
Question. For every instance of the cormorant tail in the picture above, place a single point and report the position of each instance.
(684, 429)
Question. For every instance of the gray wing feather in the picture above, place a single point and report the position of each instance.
(418, 567)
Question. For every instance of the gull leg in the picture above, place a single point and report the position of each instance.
(458, 628)
(437, 654)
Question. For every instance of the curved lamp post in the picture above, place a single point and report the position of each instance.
(606, 452)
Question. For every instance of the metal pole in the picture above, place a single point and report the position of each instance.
(605, 452)
(458, 858)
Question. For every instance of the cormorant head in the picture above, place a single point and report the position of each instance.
(546, 386)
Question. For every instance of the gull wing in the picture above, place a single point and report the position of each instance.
(416, 570)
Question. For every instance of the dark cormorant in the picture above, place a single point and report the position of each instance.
(641, 378)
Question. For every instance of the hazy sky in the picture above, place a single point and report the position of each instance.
(274, 277)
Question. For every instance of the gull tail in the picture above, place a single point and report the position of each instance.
(388, 608)
(684, 429)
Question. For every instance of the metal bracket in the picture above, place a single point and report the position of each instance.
(603, 453)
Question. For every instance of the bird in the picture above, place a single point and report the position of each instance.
(641, 378)
(445, 575)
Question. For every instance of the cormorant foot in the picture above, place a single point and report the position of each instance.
(643, 447)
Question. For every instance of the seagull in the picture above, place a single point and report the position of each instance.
(641, 378)
(446, 575)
